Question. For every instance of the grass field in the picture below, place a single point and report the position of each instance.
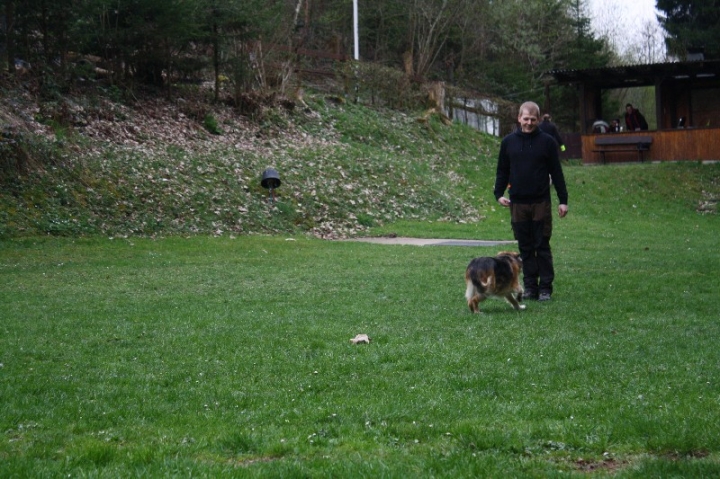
(148, 330)
(230, 357)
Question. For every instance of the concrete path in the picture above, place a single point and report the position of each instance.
(431, 242)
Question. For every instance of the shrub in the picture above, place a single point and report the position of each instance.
(211, 125)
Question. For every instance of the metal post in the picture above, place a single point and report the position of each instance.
(355, 30)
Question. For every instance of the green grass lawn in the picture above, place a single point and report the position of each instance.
(212, 351)
(221, 357)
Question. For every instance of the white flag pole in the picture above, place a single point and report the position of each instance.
(355, 30)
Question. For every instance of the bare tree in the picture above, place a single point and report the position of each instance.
(608, 25)
(431, 21)
(9, 36)
(650, 47)
(631, 41)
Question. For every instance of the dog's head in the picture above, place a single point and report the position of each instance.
(509, 254)
(511, 257)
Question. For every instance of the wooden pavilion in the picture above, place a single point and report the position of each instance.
(687, 100)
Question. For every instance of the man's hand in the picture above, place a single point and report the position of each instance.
(562, 210)
(504, 201)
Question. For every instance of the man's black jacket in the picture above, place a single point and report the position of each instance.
(526, 164)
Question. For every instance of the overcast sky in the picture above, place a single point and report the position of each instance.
(626, 9)
(624, 22)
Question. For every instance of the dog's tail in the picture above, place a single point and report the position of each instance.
(482, 281)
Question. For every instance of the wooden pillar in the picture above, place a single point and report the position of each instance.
(659, 104)
(589, 106)
(583, 108)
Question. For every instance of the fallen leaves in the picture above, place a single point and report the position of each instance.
(155, 170)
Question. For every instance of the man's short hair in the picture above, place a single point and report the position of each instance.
(531, 107)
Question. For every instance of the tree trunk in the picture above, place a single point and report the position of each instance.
(216, 61)
(9, 35)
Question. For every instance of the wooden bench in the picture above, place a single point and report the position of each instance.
(620, 143)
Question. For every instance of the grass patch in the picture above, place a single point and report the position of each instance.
(214, 353)
(344, 169)
(232, 356)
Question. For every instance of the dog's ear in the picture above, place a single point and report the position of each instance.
(515, 256)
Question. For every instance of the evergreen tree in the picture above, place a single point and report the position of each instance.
(584, 51)
(691, 24)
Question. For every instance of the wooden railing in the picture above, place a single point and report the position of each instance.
(692, 144)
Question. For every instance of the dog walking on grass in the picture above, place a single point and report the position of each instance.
(497, 276)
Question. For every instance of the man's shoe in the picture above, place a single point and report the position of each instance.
(532, 295)
(544, 297)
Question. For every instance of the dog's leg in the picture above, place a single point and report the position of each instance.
(514, 302)
(471, 295)
(519, 291)
(475, 302)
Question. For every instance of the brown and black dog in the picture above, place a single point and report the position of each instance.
(497, 276)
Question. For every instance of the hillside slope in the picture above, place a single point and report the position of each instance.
(94, 165)
(90, 165)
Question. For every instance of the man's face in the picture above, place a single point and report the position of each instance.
(528, 121)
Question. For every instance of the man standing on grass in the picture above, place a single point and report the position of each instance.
(527, 158)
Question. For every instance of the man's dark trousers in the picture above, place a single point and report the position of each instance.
(532, 226)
